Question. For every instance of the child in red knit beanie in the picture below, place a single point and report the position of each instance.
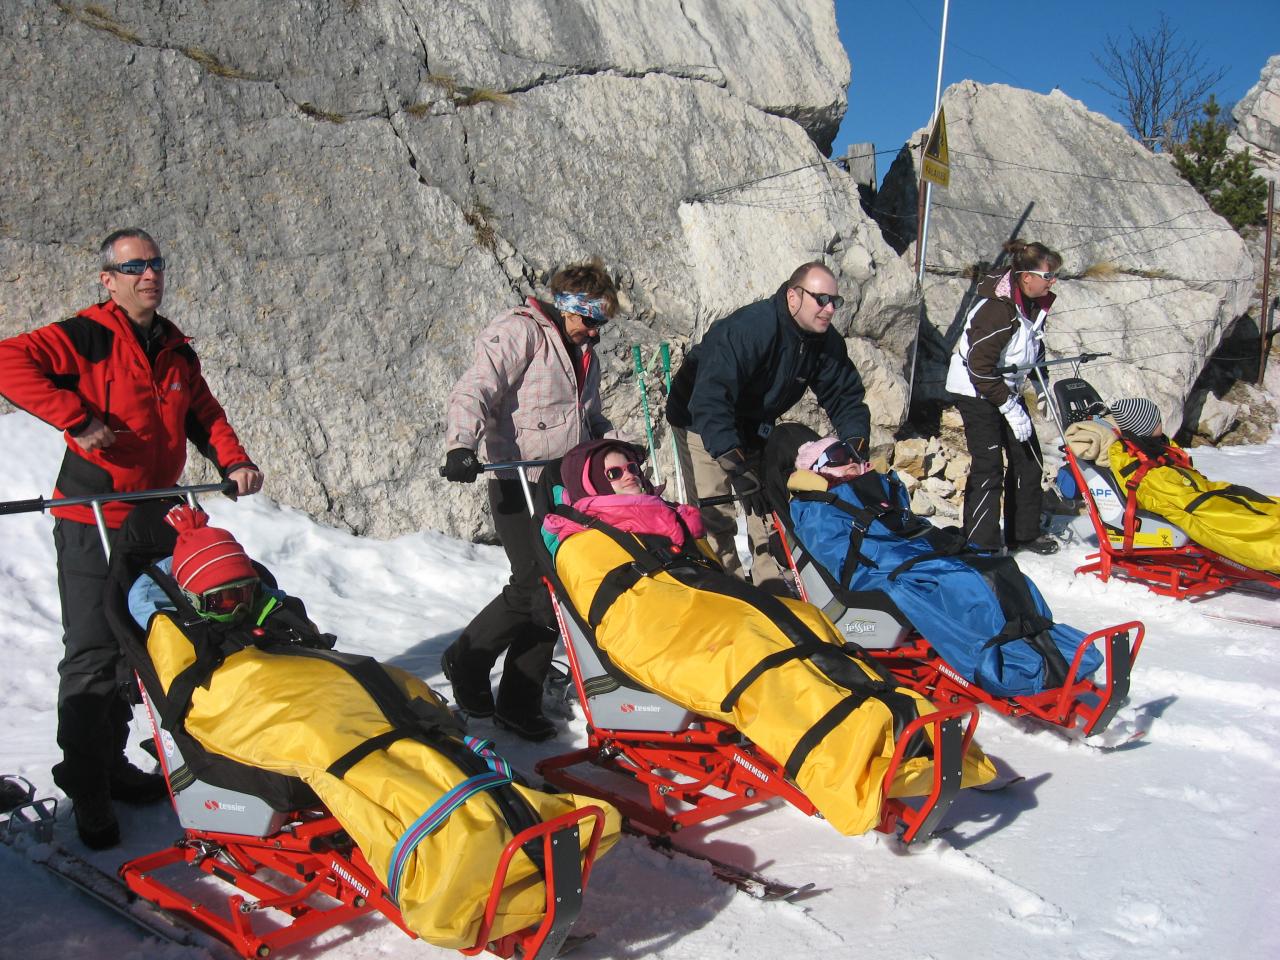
(211, 567)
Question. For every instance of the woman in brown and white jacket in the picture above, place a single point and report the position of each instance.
(1004, 330)
(532, 392)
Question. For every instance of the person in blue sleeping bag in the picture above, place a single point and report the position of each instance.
(977, 609)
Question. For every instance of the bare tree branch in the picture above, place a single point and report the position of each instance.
(1157, 81)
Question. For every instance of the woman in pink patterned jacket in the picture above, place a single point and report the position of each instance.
(532, 392)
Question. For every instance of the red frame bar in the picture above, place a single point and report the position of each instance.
(529, 942)
(301, 853)
(916, 665)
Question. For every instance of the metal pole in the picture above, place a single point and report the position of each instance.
(1264, 320)
(922, 217)
(665, 354)
(923, 243)
(643, 387)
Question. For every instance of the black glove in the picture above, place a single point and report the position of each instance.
(745, 482)
(461, 465)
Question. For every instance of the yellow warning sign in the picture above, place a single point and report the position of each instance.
(937, 162)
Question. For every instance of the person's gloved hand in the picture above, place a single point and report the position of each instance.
(1015, 414)
(745, 482)
(1034, 397)
(461, 465)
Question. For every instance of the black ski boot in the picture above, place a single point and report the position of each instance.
(96, 820)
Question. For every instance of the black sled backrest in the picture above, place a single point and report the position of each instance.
(1077, 400)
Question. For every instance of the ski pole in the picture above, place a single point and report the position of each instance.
(644, 405)
(664, 351)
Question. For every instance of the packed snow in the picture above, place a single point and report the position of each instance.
(1156, 846)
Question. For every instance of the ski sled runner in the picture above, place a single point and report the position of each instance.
(1158, 521)
(326, 787)
(955, 624)
(708, 696)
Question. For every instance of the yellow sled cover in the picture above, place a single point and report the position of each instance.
(692, 646)
(1240, 524)
(297, 715)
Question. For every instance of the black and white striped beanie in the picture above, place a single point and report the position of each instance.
(1136, 415)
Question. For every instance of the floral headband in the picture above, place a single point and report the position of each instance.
(584, 306)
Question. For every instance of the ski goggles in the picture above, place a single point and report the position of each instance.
(617, 473)
(839, 454)
(227, 601)
(136, 268)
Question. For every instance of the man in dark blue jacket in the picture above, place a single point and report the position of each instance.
(750, 368)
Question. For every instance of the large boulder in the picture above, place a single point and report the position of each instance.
(1154, 276)
(1257, 118)
(348, 190)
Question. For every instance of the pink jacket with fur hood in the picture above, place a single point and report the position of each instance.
(644, 513)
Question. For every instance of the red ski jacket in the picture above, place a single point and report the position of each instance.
(92, 365)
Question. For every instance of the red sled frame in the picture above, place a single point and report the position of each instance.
(1183, 572)
(1078, 702)
(679, 770)
(313, 857)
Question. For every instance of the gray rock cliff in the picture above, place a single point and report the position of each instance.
(347, 190)
(1154, 277)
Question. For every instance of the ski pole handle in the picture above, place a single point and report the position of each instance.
(717, 501)
(39, 504)
(510, 465)
(23, 506)
(1082, 358)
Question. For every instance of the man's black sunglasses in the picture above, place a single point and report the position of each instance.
(136, 268)
(823, 299)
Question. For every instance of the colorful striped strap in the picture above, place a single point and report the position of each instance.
(499, 775)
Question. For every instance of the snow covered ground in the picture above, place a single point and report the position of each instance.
(1162, 846)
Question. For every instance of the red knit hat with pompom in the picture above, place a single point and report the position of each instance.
(205, 557)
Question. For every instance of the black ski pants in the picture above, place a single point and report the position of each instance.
(93, 705)
(519, 620)
(1001, 462)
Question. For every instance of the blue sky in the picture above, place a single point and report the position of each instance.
(893, 49)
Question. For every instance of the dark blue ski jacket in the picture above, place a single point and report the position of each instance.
(753, 366)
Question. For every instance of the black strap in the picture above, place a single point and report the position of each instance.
(819, 731)
(948, 550)
(861, 517)
(1240, 496)
(644, 562)
(1022, 620)
(775, 659)
(615, 583)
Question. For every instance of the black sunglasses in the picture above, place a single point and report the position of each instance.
(136, 268)
(823, 299)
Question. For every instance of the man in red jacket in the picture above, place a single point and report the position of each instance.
(125, 387)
